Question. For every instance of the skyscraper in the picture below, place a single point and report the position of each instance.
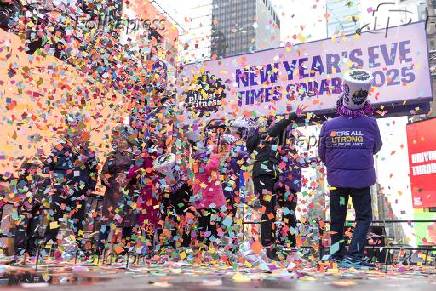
(343, 16)
(241, 26)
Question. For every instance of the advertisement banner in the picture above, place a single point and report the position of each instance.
(421, 139)
(309, 74)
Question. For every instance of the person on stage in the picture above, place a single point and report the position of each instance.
(73, 169)
(347, 144)
(174, 199)
(31, 188)
(208, 196)
(114, 177)
(263, 145)
(287, 187)
(234, 169)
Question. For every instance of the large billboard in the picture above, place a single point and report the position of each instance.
(421, 139)
(278, 80)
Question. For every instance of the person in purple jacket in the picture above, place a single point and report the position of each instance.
(347, 144)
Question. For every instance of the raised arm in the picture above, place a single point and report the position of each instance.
(280, 126)
(252, 142)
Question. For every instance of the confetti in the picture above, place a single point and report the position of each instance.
(105, 133)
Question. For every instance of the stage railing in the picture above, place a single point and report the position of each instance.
(428, 249)
(95, 203)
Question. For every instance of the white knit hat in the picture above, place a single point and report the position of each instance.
(165, 163)
(228, 139)
(356, 85)
(239, 123)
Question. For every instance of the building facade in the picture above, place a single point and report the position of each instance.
(431, 8)
(243, 26)
(424, 10)
(343, 16)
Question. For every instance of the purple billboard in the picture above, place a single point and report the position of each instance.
(309, 75)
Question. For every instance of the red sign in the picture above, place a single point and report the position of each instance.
(421, 139)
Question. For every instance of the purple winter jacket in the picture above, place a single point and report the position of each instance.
(346, 147)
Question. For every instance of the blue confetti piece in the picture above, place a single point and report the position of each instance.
(334, 248)
(227, 221)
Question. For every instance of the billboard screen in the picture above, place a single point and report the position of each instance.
(278, 80)
(421, 139)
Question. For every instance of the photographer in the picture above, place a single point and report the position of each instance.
(32, 187)
(73, 168)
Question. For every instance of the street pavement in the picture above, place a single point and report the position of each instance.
(180, 276)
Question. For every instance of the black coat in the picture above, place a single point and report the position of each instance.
(118, 163)
(266, 148)
(73, 166)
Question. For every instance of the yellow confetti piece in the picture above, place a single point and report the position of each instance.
(240, 278)
(46, 277)
(53, 225)
(308, 278)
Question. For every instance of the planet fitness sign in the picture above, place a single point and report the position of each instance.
(278, 80)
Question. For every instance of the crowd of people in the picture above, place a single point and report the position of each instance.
(170, 185)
